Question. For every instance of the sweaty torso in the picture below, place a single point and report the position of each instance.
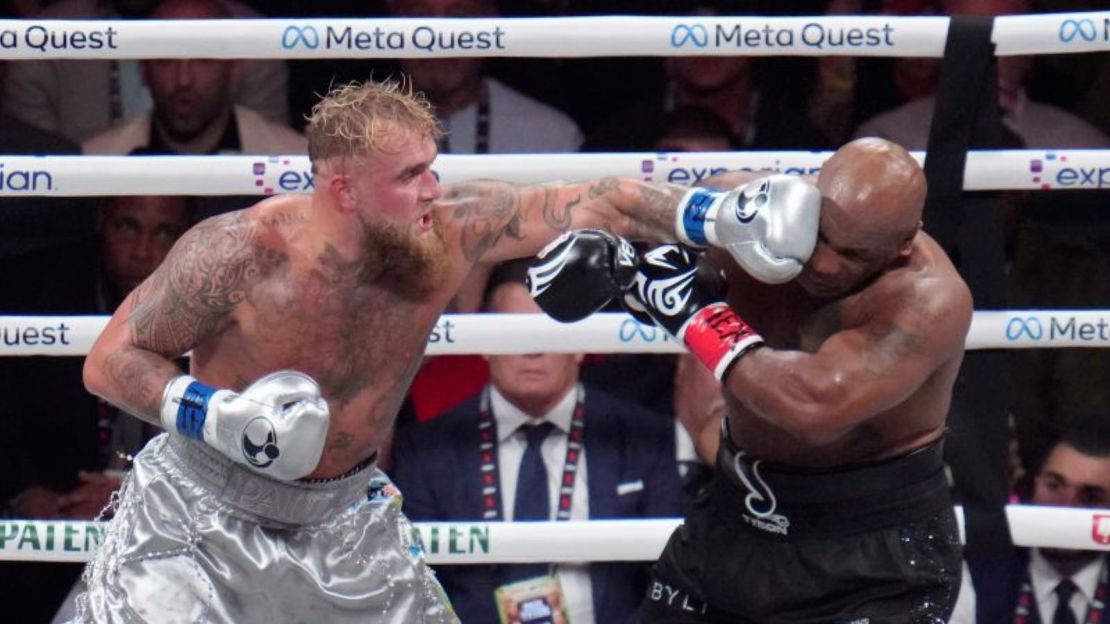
(360, 342)
(788, 318)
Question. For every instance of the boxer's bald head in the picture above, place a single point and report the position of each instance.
(873, 192)
(876, 185)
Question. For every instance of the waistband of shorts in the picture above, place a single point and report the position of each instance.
(284, 502)
(841, 500)
(800, 484)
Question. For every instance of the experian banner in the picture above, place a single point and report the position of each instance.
(268, 175)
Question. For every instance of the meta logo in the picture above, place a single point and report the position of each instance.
(1069, 328)
(277, 175)
(1028, 327)
(1055, 171)
(631, 329)
(693, 34)
(25, 180)
(306, 36)
(1083, 30)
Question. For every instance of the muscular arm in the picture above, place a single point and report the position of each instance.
(496, 221)
(188, 299)
(856, 373)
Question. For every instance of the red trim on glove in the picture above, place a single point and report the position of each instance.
(718, 336)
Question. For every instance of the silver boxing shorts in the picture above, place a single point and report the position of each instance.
(199, 538)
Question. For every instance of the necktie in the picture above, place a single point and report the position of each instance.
(1064, 614)
(532, 496)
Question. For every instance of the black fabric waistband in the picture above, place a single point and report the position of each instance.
(838, 500)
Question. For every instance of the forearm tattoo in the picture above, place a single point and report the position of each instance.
(492, 213)
(556, 214)
(142, 376)
(652, 211)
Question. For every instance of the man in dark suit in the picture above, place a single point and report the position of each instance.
(536, 404)
(1052, 585)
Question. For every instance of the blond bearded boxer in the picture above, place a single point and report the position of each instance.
(307, 316)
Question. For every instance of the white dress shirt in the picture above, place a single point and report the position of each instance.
(1040, 126)
(517, 124)
(1045, 578)
(574, 577)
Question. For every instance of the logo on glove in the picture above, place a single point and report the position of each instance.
(260, 443)
(668, 296)
(751, 200)
(541, 276)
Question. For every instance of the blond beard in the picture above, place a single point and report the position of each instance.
(409, 266)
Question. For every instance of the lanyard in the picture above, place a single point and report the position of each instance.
(115, 93)
(490, 476)
(481, 125)
(1026, 610)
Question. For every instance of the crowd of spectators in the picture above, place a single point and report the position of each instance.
(62, 456)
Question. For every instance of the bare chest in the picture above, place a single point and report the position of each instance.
(353, 341)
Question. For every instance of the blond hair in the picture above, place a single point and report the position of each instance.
(362, 118)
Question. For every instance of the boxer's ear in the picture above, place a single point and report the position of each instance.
(339, 187)
(906, 248)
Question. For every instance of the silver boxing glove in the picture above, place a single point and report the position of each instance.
(276, 427)
(769, 225)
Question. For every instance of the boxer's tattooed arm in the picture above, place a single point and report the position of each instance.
(204, 278)
(485, 213)
(513, 221)
(651, 212)
(142, 375)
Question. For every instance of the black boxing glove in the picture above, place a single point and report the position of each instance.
(578, 273)
(690, 306)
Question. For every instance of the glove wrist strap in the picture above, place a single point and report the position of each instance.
(717, 336)
(694, 212)
(185, 406)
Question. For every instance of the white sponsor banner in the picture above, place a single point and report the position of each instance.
(986, 170)
(1052, 33)
(457, 334)
(866, 35)
(437, 37)
(1059, 527)
(443, 542)
(1023, 329)
(49, 335)
(575, 540)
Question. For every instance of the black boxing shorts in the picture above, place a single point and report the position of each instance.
(772, 544)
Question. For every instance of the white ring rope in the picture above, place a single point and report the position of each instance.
(456, 334)
(849, 35)
(988, 170)
(572, 541)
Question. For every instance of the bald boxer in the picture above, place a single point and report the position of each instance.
(829, 502)
(306, 317)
